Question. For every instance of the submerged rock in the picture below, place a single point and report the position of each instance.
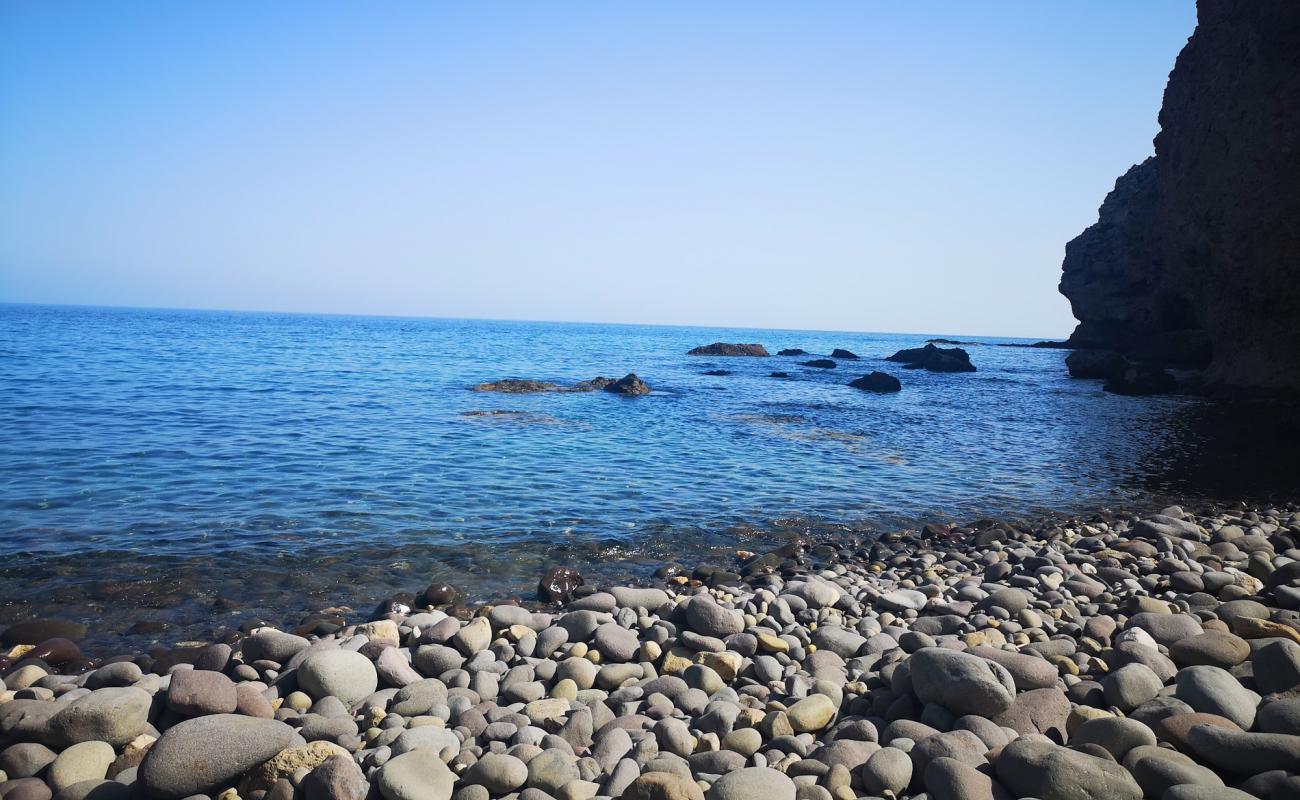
(820, 363)
(1141, 379)
(558, 584)
(726, 349)
(792, 351)
(516, 386)
(1095, 363)
(845, 355)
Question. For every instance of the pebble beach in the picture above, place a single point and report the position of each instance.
(1114, 656)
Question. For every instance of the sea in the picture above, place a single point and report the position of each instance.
(167, 475)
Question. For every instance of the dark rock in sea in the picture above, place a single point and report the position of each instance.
(1196, 247)
(792, 351)
(717, 372)
(934, 359)
(877, 382)
(441, 594)
(778, 375)
(947, 341)
(820, 363)
(54, 651)
(726, 349)
(516, 386)
(629, 385)
(39, 630)
(1141, 379)
(1095, 363)
(844, 354)
(594, 385)
(558, 584)
(400, 603)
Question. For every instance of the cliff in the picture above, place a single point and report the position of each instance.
(1195, 257)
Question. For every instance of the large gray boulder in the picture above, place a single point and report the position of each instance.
(206, 752)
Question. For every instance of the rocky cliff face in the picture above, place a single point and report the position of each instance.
(1196, 253)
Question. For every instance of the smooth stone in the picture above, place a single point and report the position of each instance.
(551, 769)
(25, 759)
(1166, 629)
(752, 782)
(336, 778)
(1212, 690)
(902, 600)
(86, 761)
(201, 753)
(1194, 792)
(961, 682)
(1277, 666)
(662, 786)
(636, 597)
(417, 775)
(1037, 768)
(1244, 753)
(1028, 671)
(615, 642)
(887, 770)
(708, 618)
(500, 774)
(1280, 716)
(200, 691)
(272, 645)
(115, 715)
(812, 713)
(950, 779)
(1212, 648)
(345, 674)
(474, 637)
(1130, 686)
(1117, 735)
(425, 737)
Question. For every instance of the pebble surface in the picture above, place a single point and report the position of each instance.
(1117, 657)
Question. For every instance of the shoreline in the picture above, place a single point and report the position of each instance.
(144, 603)
(960, 661)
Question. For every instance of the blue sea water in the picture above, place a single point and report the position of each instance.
(152, 461)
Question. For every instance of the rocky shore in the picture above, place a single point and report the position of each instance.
(1117, 657)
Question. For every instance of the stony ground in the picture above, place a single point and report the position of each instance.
(1114, 658)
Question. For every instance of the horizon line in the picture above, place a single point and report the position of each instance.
(514, 319)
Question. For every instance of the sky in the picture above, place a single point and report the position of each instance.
(863, 166)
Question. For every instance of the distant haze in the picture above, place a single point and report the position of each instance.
(878, 166)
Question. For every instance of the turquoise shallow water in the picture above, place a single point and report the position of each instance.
(152, 461)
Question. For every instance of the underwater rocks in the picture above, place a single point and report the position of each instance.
(629, 385)
(1121, 376)
(1118, 657)
(726, 349)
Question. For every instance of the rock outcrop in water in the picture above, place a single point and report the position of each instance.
(934, 359)
(727, 349)
(629, 384)
(877, 382)
(1195, 254)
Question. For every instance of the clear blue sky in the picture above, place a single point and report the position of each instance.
(899, 166)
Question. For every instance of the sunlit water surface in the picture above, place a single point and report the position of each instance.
(152, 461)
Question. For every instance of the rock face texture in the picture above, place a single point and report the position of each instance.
(1196, 252)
